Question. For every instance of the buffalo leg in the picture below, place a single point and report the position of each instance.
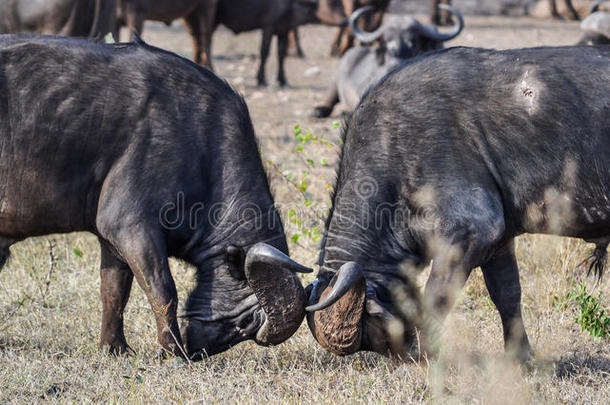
(265, 45)
(554, 12)
(502, 279)
(435, 15)
(445, 16)
(347, 43)
(5, 252)
(192, 25)
(201, 24)
(134, 19)
(349, 6)
(572, 10)
(324, 110)
(116, 279)
(459, 243)
(143, 249)
(295, 43)
(282, 50)
(336, 45)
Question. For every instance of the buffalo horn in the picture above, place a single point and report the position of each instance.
(280, 294)
(365, 37)
(433, 34)
(348, 275)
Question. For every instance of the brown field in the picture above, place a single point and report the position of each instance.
(50, 309)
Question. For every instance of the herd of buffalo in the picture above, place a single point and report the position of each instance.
(447, 156)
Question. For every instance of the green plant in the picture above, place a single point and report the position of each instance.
(592, 318)
(307, 213)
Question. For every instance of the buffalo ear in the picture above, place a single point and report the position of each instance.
(236, 258)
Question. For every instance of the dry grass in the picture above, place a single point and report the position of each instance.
(49, 333)
(50, 315)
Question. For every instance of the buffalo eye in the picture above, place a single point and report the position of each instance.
(235, 260)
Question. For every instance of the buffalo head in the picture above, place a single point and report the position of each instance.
(241, 295)
(352, 310)
(403, 36)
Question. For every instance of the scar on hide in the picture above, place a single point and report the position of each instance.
(529, 92)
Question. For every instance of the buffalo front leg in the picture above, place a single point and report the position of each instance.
(295, 43)
(326, 109)
(265, 46)
(144, 250)
(435, 15)
(572, 10)
(468, 227)
(282, 51)
(200, 24)
(336, 45)
(116, 279)
(135, 21)
(449, 273)
(502, 279)
(192, 26)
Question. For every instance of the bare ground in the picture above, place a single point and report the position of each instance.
(50, 309)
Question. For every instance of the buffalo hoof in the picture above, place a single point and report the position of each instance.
(118, 349)
(320, 112)
(262, 83)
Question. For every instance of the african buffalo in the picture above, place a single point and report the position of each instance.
(157, 157)
(596, 27)
(449, 168)
(78, 18)
(403, 37)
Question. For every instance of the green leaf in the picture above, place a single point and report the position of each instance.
(77, 252)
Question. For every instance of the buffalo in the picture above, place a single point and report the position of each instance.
(78, 18)
(596, 27)
(157, 157)
(403, 37)
(449, 168)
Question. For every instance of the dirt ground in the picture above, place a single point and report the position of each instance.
(50, 309)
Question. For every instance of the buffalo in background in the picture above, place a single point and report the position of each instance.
(77, 18)
(402, 37)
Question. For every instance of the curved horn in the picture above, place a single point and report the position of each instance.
(280, 294)
(339, 328)
(595, 6)
(364, 37)
(433, 34)
(348, 275)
